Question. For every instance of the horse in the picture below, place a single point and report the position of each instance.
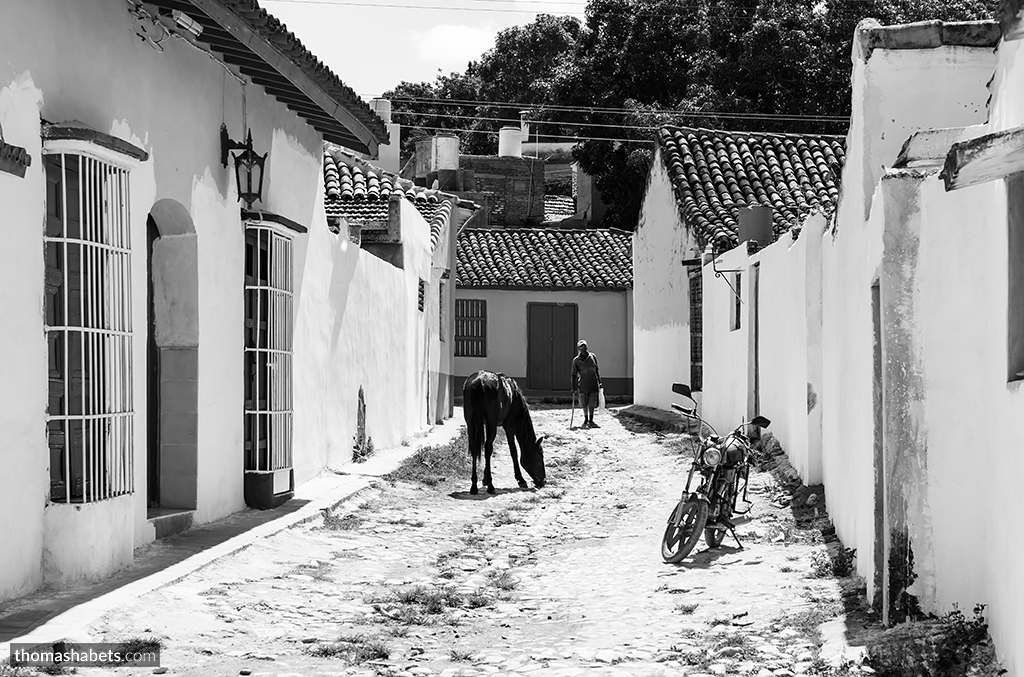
(490, 400)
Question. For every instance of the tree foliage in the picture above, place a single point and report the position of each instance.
(631, 65)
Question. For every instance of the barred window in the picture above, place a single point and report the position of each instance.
(88, 323)
(470, 328)
(269, 308)
(441, 310)
(736, 303)
(696, 331)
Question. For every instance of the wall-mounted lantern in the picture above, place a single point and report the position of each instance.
(247, 162)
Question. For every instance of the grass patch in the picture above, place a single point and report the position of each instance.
(137, 645)
(479, 600)
(320, 571)
(504, 580)
(355, 649)
(687, 609)
(447, 556)
(362, 451)
(460, 655)
(435, 464)
(346, 522)
(786, 569)
(573, 463)
(504, 517)
(836, 563)
(8, 670)
(408, 522)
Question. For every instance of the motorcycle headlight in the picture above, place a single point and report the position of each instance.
(712, 456)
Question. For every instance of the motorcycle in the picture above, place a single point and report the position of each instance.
(723, 464)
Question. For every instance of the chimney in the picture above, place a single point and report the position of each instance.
(756, 225)
(388, 155)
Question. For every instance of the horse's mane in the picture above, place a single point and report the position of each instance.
(524, 425)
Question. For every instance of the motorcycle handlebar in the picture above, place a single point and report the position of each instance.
(692, 413)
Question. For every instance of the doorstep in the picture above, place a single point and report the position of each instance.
(168, 522)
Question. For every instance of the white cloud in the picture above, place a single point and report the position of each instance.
(451, 46)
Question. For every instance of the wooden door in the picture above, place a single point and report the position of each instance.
(552, 331)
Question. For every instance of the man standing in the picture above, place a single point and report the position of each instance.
(586, 378)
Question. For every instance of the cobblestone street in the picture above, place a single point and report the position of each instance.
(418, 579)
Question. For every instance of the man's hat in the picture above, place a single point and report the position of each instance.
(581, 343)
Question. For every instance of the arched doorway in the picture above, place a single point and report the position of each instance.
(172, 377)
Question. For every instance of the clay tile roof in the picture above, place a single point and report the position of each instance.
(252, 24)
(558, 207)
(359, 193)
(531, 258)
(716, 173)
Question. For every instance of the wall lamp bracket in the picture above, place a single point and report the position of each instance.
(248, 161)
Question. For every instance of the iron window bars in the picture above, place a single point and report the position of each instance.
(470, 328)
(88, 324)
(269, 308)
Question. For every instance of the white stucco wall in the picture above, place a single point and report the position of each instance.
(782, 347)
(356, 316)
(22, 352)
(895, 93)
(727, 363)
(954, 315)
(661, 313)
(603, 321)
(358, 325)
(956, 456)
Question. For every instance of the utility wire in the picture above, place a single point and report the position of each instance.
(546, 136)
(741, 116)
(609, 110)
(685, 10)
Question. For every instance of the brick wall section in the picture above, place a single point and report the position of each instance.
(515, 185)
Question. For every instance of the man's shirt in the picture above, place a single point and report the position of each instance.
(588, 371)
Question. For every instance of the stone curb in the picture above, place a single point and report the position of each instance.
(323, 493)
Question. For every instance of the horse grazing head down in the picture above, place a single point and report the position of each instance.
(532, 460)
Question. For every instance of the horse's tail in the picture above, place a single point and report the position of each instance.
(473, 409)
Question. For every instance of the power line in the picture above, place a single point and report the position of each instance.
(683, 114)
(546, 136)
(601, 109)
(430, 7)
(683, 10)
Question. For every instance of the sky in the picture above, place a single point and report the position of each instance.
(373, 45)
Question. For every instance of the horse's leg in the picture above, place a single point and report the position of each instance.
(492, 431)
(474, 449)
(510, 435)
(476, 455)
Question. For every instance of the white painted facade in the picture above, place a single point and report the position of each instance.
(604, 320)
(661, 320)
(911, 432)
(356, 322)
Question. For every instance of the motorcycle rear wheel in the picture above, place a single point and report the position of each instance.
(684, 529)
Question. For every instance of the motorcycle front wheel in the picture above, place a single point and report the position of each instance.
(684, 530)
